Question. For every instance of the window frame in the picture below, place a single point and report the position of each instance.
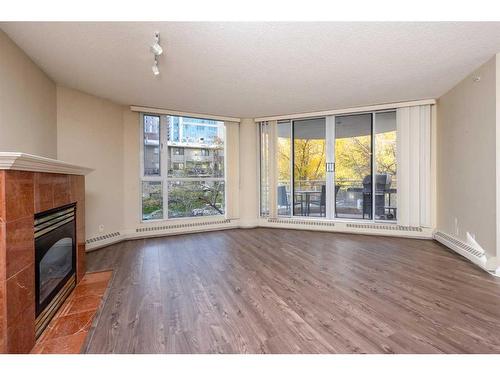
(164, 165)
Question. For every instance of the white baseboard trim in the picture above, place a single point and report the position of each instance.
(474, 254)
(104, 240)
(177, 227)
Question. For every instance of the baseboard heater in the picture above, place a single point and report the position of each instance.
(103, 237)
(300, 222)
(476, 256)
(388, 227)
(182, 226)
(401, 228)
(103, 240)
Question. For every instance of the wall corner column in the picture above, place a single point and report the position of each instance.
(249, 172)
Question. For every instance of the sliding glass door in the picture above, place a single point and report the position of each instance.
(309, 174)
(353, 166)
(385, 166)
(340, 167)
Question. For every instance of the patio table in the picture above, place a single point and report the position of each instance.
(305, 196)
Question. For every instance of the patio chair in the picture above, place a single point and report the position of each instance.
(321, 202)
(382, 186)
(283, 199)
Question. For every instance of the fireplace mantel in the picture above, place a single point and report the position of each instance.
(26, 162)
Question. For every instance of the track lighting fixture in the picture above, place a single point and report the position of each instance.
(156, 50)
(155, 47)
(154, 68)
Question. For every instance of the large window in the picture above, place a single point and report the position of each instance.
(335, 167)
(183, 167)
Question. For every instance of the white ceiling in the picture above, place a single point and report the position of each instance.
(259, 69)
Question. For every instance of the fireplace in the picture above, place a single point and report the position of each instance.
(55, 261)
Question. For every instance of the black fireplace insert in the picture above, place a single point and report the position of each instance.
(55, 260)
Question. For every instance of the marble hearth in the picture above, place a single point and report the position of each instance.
(29, 185)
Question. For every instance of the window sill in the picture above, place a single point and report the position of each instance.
(187, 218)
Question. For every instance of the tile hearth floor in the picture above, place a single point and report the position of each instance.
(68, 330)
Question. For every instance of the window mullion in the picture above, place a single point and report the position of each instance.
(164, 160)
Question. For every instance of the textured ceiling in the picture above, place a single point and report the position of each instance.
(259, 69)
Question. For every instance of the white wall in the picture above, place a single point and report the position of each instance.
(27, 104)
(466, 159)
(90, 133)
(249, 163)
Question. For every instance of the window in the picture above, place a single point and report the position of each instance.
(152, 200)
(185, 178)
(177, 151)
(151, 145)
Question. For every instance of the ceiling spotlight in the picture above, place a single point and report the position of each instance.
(155, 69)
(155, 47)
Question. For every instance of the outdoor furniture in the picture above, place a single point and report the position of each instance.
(283, 198)
(382, 187)
(321, 203)
(390, 209)
(305, 200)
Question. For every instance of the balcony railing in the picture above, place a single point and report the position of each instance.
(352, 199)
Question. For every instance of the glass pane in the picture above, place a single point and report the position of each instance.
(353, 180)
(55, 265)
(284, 150)
(151, 145)
(152, 200)
(195, 198)
(386, 166)
(195, 147)
(264, 169)
(309, 167)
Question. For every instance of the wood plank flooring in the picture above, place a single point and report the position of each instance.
(286, 291)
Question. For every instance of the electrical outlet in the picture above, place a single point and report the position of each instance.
(456, 226)
(101, 228)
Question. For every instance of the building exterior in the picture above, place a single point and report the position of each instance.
(195, 147)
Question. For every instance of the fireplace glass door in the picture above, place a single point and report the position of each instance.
(55, 254)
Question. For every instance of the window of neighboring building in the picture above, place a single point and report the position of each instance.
(183, 167)
(177, 151)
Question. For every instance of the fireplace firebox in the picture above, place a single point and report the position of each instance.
(55, 261)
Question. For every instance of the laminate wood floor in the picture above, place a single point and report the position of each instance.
(286, 291)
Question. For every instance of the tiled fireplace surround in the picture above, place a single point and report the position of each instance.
(22, 194)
